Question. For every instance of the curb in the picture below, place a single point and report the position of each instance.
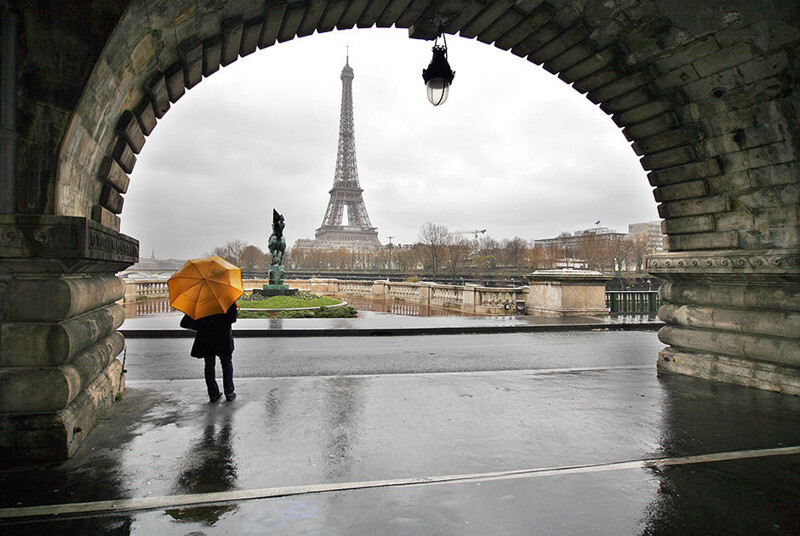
(394, 332)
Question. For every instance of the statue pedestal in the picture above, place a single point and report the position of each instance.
(275, 290)
(567, 292)
(276, 286)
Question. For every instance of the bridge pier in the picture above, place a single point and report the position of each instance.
(732, 316)
(58, 336)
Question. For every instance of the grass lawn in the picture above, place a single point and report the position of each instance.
(302, 299)
(287, 302)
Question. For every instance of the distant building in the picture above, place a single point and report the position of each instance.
(570, 240)
(652, 230)
(152, 268)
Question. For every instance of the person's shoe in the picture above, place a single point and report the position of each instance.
(230, 397)
(215, 398)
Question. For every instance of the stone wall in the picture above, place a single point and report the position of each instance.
(732, 317)
(58, 335)
(567, 292)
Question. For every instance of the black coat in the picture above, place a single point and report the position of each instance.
(214, 333)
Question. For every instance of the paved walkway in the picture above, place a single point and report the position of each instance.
(582, 450)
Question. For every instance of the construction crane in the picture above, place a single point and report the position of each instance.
(474, 233)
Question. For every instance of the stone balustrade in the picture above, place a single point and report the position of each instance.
(138, 289)
(469, 298)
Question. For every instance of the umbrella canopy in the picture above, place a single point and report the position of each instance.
(205, 287)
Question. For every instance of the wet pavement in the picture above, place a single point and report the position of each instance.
(381, 323)
(168, 359)
(577, 436)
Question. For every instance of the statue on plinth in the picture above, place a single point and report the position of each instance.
(277, 247)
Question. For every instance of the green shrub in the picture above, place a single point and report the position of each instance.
(336, 312)
(254, 314)
(295, 314)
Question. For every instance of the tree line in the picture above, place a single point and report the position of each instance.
(440, 251)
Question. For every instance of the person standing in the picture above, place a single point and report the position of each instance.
(215, 338)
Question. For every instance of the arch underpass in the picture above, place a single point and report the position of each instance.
(706, 93)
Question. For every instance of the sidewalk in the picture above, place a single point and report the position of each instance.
(514, 452)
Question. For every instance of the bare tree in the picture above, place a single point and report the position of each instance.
(604, 253)
(409, 258)
(564, 243)
(537, 258)
(236, 247)
(639, 247)
(231, 251)
(553, 253)
(253, 258)
(457, 253)
(489, 246)
(434, 238)
(618, 250)
(514, 251)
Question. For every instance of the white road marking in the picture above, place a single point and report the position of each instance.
(173, 501)
(528, 372)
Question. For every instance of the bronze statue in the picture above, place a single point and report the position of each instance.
(277, 247)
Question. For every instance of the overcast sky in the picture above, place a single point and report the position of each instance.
(514, 150)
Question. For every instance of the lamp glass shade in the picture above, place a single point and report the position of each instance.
(438, 76)
(438, 89)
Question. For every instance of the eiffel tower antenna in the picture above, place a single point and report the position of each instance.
(357, 231)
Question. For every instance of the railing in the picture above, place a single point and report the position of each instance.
(147, 307)
(470, 299)
(467, 299)
(447, 296)
(633, 301)
(497, 297)
(137, 290)
(356, 288)
(403, 291)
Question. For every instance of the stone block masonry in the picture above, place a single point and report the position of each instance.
(58, 336)
(732, 317)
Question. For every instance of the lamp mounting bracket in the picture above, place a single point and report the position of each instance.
(432, 22)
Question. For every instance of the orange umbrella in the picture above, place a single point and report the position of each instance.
(205, 287)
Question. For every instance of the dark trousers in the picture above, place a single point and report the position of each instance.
(227, 375)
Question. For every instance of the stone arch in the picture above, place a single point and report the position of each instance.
(707, 99)
(707, 96)
(702, 111)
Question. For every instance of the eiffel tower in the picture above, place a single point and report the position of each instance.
(357, 233)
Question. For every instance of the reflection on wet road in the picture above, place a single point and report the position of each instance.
(208, 466)
(551, 448)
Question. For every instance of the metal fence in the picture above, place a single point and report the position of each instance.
(632, 301)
